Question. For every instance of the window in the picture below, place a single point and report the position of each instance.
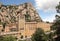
(13, 29)
(21, 28)
(31, 28)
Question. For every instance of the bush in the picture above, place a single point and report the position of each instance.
(7, 38)
(38, 35)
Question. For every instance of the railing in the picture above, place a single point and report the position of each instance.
(8, 33)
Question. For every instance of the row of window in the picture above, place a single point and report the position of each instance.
(30, 28)
(15, 29)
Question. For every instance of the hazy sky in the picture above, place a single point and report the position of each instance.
(45, 8)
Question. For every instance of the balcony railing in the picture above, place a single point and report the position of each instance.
(8, 33)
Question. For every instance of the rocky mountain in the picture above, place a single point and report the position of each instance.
(11, 13)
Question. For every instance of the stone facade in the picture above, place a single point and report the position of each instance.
(20, 20)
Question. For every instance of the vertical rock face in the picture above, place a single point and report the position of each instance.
(10, 13)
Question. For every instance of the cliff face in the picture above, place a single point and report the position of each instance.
(11, 13)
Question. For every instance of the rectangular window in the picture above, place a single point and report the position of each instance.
(31, 28)
(13, 29)
(21, 28)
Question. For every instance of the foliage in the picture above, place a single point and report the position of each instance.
(56, 25)
(7, 38)
(22, 40)
(13, 19)
(39, 35)
(58, 8)
(27, 17)
(58, 21)
(21, 36)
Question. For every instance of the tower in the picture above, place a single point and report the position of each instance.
(21, 25)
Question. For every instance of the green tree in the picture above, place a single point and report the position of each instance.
(21, 37)
(56, 25)
(58, 20)
(13, 19)
(1, 38)
(7, 38)
(39, 35)
(3, 24)
(27, 17)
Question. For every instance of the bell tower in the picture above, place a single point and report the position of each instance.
(21, 25)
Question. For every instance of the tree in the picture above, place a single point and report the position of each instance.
(3, 24)
(1, 38)
(56, 25)
(27, 17)
(21, 37)
(58, 8)
(7, 38)
(39, 35)
(58, 19)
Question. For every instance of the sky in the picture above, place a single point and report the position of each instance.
(45, 8)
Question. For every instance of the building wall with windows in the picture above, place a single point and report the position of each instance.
(26, 31)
